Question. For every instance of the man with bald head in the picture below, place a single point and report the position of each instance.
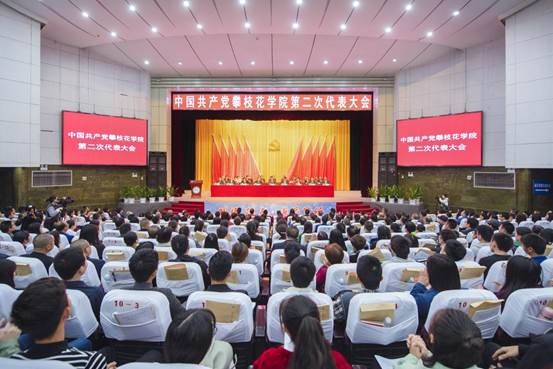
(42, 245)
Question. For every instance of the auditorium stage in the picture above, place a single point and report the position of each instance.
(342, 201)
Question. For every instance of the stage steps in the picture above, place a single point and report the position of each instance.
(188, 206)
(355, 206)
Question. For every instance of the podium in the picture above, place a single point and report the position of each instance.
(196, 188)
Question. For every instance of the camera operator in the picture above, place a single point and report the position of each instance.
(53, 207)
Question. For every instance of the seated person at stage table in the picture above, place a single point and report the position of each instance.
(284, 180)
(220, 265)
(260, 179)
(237, 180)
(272, 180)
(143, 267)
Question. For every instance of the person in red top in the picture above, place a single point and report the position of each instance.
(333, 255)
(302, 334)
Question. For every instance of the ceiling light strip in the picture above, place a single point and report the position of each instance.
(379, 10)
(429, 14)
(234, 54)
(128, 57)
(197, 56)
(324, 13)
(110, 13)
(310, 53)
(217, 11)
(162, 57)
(348, 54)
(164, 13)
(416, 57)
(451, 17)
(475, 18)
(67, 20)
(382, 57)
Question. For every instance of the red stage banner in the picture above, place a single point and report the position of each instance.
(273, 102)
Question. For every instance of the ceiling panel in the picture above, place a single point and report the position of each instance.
(330, 48)
(287, 48)
(205, 46)
(255, 48)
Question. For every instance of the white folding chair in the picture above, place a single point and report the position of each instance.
(106, 226)
(244, 277)
(8, 296)
(325, 228)
(4, 237)
(233, 312)
(181, 278)
(255, 258)
(547, 273)
(116, 275)
(278, 257)
(224, 245)
(383, 244)
(495, 279)
(27, 271)
(281, 278)
(520, 252)
(261, 246)
(471, 274)
(135, 227)
(114, 241)
(400, 277)
(526, 223)
(165, 253)
(482, 306)
(127, 315)
(202, 254)
(305, 236)
(381, 254)
(111, 233)
(117, 253)
(277, 242)
(544, 223)
(212, 228)
(36, 364)
(12, 248)
(319, 259)
(427, 242)
(82, 322)
(314, 246)
(275, 333)
(521, 314)
(367, 314)
(237, 230)
(469, 255)
(419, 254)
(341, 277)
(90, 277)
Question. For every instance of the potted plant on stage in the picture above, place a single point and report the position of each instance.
(126, 194)
(142, 192)
(160, 193)
(400, 192)
(373, 193)
(415, 195)
(151, 193)
(383, 193)
(172, 192)
(393, 192)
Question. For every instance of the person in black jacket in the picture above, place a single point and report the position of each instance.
(180, 246)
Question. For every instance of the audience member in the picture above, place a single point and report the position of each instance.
(455, 342)
(70, 264)
(500, 246)
(131, 239)
(534, 246)
(454, 249)
(304, 344)
(441, 274)
(42, 245)
(358, 243)
(220, 266)
(302, 273)
(484, 235)
(180, 246)
(211, 242)
(240, 252)
(87, 250)
(143, 267)
(7, 272)
(333, 254)
(41, 311)
(521, 272)
(400, 247)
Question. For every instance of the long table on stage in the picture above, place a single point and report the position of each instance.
(266, 190)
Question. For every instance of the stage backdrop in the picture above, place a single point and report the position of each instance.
(278, 147)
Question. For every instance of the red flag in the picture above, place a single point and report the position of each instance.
(252, 164)
(296, 162)
(322, 160)
(240, 163)
(224, 159)
(331, 163)
(306, 161)
(315, 162)
(232, 159)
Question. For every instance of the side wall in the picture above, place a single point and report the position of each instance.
(19, 89)
(529, 40)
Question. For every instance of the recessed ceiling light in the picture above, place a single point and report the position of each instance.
(299, 2)
(84, 14)
(325, 62)
(252, 62)
(291, 62)
(154, 29)
(295, 25)
(388, 29)
(343, 26)
(429, 34)
(242, 2)
(132, 7)
(456, 13)
(355, 4)
(220, 62)
(408, 7)
(199, 26)
(113, 34)
(247, 25)
(186, 3)
(360, 61)
(179, 63)
(394, 60)
(147, 62)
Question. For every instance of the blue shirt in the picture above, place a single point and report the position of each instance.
(539, 259)
(423, 297)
